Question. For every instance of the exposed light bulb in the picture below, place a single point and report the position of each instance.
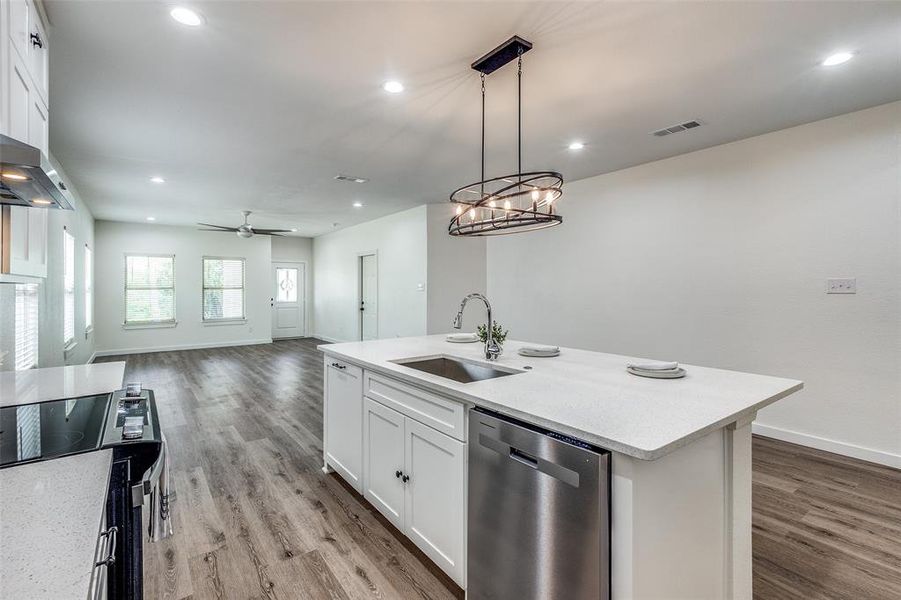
(536, 194)
(506, 205)
(492, 204)
(549, 197)
(459, 209)
(472, 214)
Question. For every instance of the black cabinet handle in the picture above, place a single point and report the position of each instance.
(36, 40)
(398, 474)
(405, 478)
(339, 366)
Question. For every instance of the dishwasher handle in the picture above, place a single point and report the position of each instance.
(523, 457)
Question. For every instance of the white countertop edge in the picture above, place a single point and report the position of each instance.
(433, 383)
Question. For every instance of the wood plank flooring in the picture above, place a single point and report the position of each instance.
(255, 516)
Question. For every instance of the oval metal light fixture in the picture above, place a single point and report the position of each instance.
(523, 201)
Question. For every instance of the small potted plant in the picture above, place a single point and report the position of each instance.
(497, 332)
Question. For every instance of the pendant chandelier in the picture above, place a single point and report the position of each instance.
(510, 203)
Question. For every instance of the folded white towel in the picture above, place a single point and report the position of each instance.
(655, 366)
(547, 349)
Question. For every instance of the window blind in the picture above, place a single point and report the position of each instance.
(68, 288)
(88, 288)
(26, 326)
(223, 288)
(149, 289)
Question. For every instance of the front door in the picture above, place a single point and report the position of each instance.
(288, 300)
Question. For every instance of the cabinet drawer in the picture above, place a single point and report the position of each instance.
(343, 367)
(440, 413)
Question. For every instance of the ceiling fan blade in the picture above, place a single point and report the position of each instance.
(264, 231)
(223, 227)
(218, 230)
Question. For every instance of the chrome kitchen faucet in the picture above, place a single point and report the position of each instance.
(492, 350)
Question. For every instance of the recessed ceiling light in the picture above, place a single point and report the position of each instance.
(837, 59)
(186, 16)
(358, 204)
(294, 229)
(157, 179)
(42, 202)
(393, 87)
(151, 218)
(576, 146)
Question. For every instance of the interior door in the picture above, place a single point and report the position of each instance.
(369, 302)
(288, 300)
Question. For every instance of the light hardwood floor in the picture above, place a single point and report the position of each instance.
(255, 517)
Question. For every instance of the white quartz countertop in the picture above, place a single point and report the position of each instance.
(588, 395)
(50, 517)
(54, 383)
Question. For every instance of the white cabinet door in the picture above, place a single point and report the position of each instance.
(19, 99)
(383, 455)
(344, 420)
(435, 506)
(19, 27)
(28, 241)
(37, 53)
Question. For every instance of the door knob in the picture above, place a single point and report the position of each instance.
(398, 474)
(405, 478)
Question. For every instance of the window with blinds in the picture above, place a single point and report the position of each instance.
(149, 289)
(223, 289)
(68, 288)
(88, 288)
(26, 326)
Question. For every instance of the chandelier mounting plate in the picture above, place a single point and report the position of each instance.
(500, 56)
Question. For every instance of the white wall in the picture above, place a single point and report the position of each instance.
(720, 258)
(114, 240)
(400, 241)
(298, 249)
(80, 223)
(456, 267)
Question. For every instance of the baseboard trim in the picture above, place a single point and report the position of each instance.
(329, 339)
(93, 356)
(151, 349)
(805, 439)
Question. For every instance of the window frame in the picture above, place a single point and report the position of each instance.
(126, 324)
(68, 341)
(88, 289)
(204, 288)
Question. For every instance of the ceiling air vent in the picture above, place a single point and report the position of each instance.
(351, 178)
(677, 128)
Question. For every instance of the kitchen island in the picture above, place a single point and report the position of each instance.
(681, 452)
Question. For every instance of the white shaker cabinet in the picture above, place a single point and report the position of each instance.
(25, 118)
(435, 501)
(344, 420)
(415, 476)
(383, 456)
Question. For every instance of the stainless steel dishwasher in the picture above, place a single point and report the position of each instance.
(539, 513)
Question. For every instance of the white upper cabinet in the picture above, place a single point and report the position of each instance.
(25, 117)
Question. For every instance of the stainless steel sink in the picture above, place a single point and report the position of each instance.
(457, 369)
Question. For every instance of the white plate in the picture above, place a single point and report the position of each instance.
(537, 353)
(675, 374)
(462, 338)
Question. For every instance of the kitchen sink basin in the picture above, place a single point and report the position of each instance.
(457, 369)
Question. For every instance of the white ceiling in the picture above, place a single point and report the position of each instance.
(262, 106)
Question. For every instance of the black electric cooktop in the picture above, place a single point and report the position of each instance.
(50, 429)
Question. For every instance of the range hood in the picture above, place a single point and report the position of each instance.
(25, 177)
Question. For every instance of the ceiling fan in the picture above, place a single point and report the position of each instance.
(245, 230)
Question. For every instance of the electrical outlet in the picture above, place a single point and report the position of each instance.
(841, 286)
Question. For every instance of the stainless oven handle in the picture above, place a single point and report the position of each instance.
(112, 534)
